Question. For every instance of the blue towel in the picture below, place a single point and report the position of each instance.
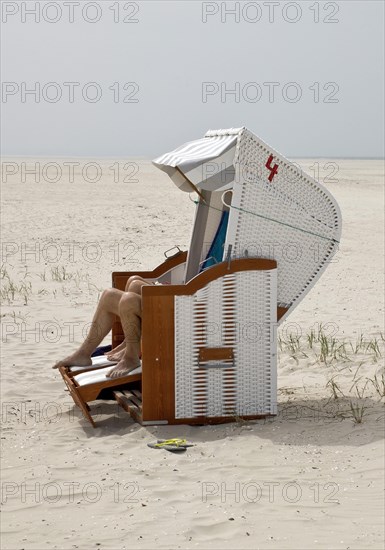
(215, 254)
(101, 350)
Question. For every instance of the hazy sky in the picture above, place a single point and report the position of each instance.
(127, 79)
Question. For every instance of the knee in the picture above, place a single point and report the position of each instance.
(106, 294)
(129, 301)
(131, 280)
(136, 286)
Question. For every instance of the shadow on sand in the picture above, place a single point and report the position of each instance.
(318, 421)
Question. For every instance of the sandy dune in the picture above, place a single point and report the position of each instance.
(311, 478)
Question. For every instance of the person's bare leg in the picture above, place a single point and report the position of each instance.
(134, 284)
(134, 279)
(116, 353)
(101, 325)
(130, 311)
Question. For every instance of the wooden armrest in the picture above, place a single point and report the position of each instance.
(119, 278)
(210, 274)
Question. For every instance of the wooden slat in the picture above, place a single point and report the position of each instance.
(202, 420)
(127, 398)
(79, 401)
(133, 410)
(215, 354)
(158, 379)
(133, 399)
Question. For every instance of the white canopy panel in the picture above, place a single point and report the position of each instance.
(195, 162)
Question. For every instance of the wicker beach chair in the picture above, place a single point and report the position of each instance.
(263, 233)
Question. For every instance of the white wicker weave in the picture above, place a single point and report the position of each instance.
(236, 311)
(291, 219)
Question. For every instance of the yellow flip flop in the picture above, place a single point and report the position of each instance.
(175, 444)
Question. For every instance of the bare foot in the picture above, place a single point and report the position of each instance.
(76, 359)
(124, 367)
(118, 348)
(115, 355)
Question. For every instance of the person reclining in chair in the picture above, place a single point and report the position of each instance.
(128, 306)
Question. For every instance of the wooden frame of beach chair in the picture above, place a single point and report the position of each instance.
(83, 394)
(163, 397)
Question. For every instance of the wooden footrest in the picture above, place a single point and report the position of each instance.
(130, 401)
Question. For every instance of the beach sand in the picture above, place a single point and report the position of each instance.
(311, 478)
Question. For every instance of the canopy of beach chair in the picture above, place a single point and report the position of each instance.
(276, 210)
(206, 164)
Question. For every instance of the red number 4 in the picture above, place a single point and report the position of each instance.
(273, 169)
